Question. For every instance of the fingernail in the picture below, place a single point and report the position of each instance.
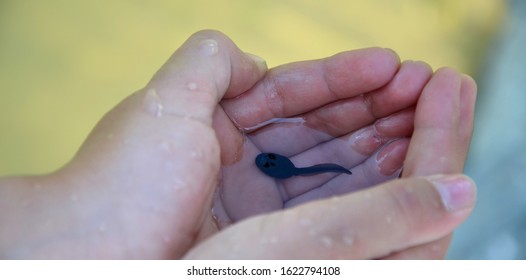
(365, 141)
(458, 192)
(391, 157)
(260, 62)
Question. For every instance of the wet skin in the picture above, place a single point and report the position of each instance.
(280, 167)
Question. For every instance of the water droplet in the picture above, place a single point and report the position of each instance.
(348, 239)
(187, 117)
(191, 86)
(389, 219)
(152, 103)
(178, 183)
(208, 47)
(73, 198)
(273, 240)
(327, 241)
(197, 154)
(110, 135)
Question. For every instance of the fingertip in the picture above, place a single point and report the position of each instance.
(389, 56)
(448, 72)
(383, 63)
(438, 105)
(261, 63)
(424, 66)
(207, 68)
(469, 85)
(245, 69)
(361, 71)
(208, 34)
(394, 53)
(468, 97)
(403, 90)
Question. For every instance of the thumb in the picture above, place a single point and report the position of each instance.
(371, 223)
(208, 67)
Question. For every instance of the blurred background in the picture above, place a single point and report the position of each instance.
(63, 64)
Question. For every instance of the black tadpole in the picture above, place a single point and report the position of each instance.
(280, 167)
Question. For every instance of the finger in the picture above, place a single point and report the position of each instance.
(412, 211)
(384, 165)
(344, 116)
(468, 96)
(208, 67)
(435, 250)
(352, 151)
(360, 143)
(400, 93)
(300, 87)
(443, 125)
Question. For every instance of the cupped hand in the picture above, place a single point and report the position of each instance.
(355, 109)
(409, 218)
(144, 182)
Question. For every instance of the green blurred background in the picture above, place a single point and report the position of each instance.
(63, 64)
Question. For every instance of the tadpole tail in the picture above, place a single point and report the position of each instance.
(322, 168)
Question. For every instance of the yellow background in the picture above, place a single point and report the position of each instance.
(63, 64)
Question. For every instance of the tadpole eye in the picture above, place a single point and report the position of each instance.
(266, 165)
(271, 156)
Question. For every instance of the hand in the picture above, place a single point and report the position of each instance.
(355, 109)
(142, 184)
(409, 218)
